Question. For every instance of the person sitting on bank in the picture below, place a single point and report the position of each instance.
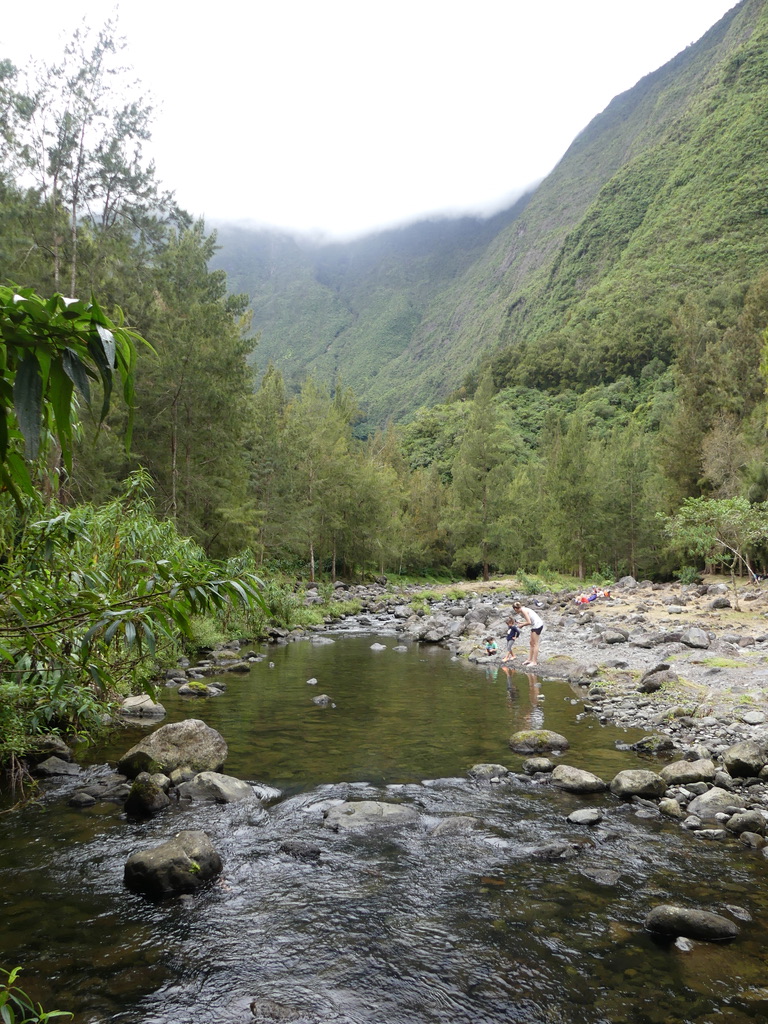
(491, 646)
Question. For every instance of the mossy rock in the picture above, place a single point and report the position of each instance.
(537, 741)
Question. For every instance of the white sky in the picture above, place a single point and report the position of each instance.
(342, 116)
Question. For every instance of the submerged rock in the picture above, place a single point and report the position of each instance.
(363, 814)
(693, 924)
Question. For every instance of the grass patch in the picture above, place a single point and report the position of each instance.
(723, 663)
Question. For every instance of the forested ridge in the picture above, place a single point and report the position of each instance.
(544, 392)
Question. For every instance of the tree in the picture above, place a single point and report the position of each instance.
(80, 126)
(320, 480)
(196, 398)
(480, 472)
(628, 496)
(571, 499)
(720, 529)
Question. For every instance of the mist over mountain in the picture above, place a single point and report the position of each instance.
(661, 196)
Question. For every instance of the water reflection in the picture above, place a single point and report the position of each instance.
(458, 918)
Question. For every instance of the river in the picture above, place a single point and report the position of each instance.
(419, 926)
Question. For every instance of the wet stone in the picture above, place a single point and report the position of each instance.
(586, 816)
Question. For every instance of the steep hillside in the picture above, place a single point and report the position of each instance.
(349, 308)
(662, 194)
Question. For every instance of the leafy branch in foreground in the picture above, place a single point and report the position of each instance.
(98, 597)
(16, 1007)
(50, 348)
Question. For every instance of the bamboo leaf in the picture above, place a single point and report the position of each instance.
(60, 390)
(76, 371)
(28, 403)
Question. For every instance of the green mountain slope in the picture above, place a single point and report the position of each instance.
(350, 308)
(661, 195)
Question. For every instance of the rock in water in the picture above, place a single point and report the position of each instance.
(181, 865)
(190, 743)
(638, 782)
(363, 814)
(537, 741)
(693, 924)
(576, 780)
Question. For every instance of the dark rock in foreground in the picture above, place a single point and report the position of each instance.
(181, 865)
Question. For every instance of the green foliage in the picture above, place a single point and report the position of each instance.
(205, 631)
(530, 584)
(688, 574)
(16, 1007)
(50, 348)
(91, 598)
(720, 530)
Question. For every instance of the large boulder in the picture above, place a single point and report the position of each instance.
(216, 788)
(715, 801)
(693, 924)
(681, 773)
(638, 782)
(365, 814)
(745, 759)
(655, 678)
(188, 744)
(695, 637)
(537, 741)
(181, 865)
(576, 780)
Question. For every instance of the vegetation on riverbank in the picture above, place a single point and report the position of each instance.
(151, 498)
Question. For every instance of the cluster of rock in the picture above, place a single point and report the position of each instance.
(721, 800)
(179, 762)
(194, 680)
(727, 800)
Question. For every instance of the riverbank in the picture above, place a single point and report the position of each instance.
(673, 660)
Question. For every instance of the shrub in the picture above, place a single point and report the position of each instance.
(687, 575)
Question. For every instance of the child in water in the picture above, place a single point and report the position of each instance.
(534, 620)
(512, 634)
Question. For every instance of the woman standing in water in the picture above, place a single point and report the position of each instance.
(535, 621)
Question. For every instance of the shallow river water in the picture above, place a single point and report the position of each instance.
(414, 926)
